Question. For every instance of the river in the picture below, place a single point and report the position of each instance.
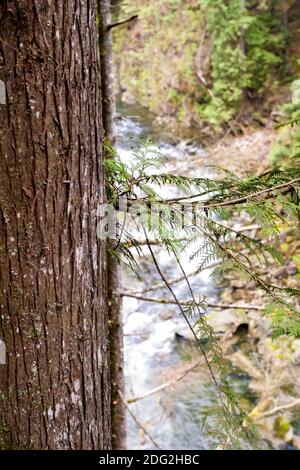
(155, 344)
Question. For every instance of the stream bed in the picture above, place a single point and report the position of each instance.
(156, 347)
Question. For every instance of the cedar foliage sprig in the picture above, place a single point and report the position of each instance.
(272, 199)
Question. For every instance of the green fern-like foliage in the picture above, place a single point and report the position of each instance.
(210, 208)
(247, 54)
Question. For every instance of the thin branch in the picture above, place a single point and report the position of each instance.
(137, 421)
(121, 233)
(199, 304)
(120, 23)
(268, 192)
(240, 200)
(161, 285)
(181, 278)
(165, 385)
(260, 282)
(280, 408)
(132, 243)
(199, 345)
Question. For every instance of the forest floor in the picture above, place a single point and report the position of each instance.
(251, 148)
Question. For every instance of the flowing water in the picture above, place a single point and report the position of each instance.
(157, 347)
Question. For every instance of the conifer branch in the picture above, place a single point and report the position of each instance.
(199, 345)
(121, 23)
(197, 304)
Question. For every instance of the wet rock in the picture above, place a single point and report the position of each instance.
(261, 407)
(280, 272)
(238, 283)
(259, 327)
(184, 334)
(180, 338)
(296, 357)
(226, 322)
(242, 330)
(226, 296)
(238, 295)
(288, 446)
(291, 270)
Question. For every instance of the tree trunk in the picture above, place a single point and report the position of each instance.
(55, 386)
(108, 92)
(115, 301)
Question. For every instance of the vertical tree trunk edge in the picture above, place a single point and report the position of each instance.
(114, 300)
(55, 390)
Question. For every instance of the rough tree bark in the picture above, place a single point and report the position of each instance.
(115, 300)
(55, 386)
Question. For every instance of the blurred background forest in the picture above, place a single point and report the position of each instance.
(211, 64)
(210, 80)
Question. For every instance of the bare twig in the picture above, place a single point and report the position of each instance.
(133, 243)
(137, 421)
(181, 278)
(161, 285)
(165, 385)
(284, 188)
(199, 304)
(184, 315)
(268, 192)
